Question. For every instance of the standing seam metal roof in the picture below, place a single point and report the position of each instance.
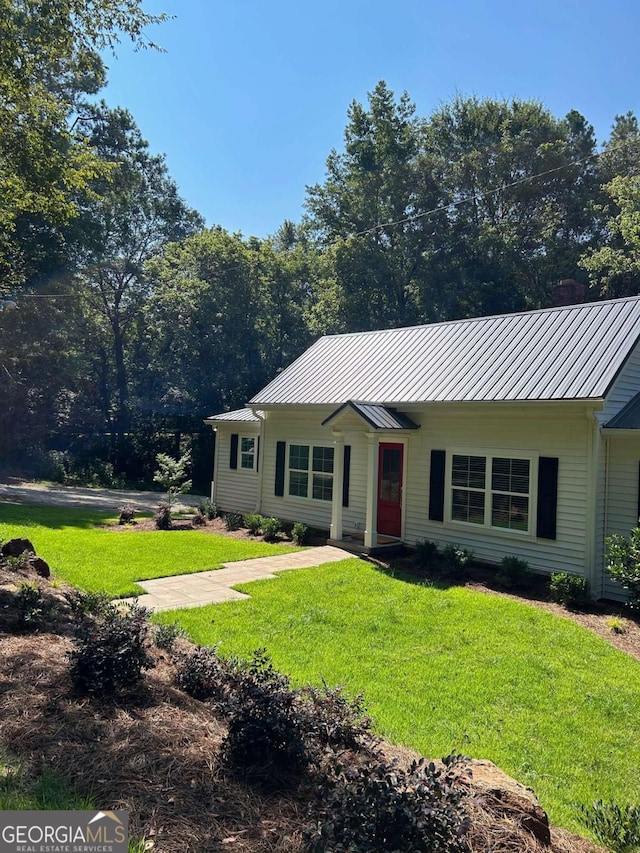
(566, 353)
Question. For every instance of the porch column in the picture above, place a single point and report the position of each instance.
(338, 474)
(371, 532)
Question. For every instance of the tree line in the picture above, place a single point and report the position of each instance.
(135, 321)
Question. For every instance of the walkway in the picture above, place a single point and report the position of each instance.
(200, 588)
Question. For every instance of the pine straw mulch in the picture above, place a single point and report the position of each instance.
(156, 753)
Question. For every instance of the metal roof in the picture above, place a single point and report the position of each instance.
(237, 416)
(567, 353)
(379, 417)
(628, 417)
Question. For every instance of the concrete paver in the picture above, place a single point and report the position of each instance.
(214, 587)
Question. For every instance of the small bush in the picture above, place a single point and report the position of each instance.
(455, 560)
(110, 651)
(253, 522)
(127, 515)
(87, 603)
(570, 590)
(623, 564)
(203, 674)
(616, 827)
(427, 553)
(163, 517)
(270, 529)
(299, 533)
(199, 520)
(208, 509)
(29, 604)
(616, 624)
(376, 806)
(514, 573)
(333, 719)
(233, 521)
(166, 635)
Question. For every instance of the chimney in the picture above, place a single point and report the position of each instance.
(568, 291)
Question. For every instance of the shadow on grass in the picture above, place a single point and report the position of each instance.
(53, 517)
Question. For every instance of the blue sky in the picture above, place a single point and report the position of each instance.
(251, 95)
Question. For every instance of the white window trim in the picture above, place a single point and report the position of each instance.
(253, 438)
(287, 470)
(490, 453)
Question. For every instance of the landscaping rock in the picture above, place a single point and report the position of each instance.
(515, 801)
(15, 547)
(40, 566)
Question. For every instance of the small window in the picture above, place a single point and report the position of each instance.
(313, 480)
(298, 470)
(248, 453)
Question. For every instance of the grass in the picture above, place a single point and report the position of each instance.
(450, 669)
(96, 559)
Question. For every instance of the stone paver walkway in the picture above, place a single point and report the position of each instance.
(213, 587)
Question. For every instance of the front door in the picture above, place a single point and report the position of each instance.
(390, 459)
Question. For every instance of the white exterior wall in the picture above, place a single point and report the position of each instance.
(234, 489)
(622, 495)
(536, 430)
(624, 388)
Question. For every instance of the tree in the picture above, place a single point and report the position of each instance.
(48, 56)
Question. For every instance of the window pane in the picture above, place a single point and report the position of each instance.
(247, 445)
(246, 461)
(510, 512)
(322, 487)
(467, 506)
(299, 457)
(468, 471)
(323, 459)
(298, 483)
(510, 475)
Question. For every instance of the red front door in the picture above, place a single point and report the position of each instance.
(390, 458)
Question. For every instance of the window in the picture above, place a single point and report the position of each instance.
(248, 453)
(311, 472)
(491, 491)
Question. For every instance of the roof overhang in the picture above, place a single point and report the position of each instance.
(374, 415)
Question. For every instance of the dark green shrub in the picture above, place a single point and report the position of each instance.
(253, 522)
(127, 515)
(375, 806)
(163, 516)
(87, 603)
(616, 827)
(208, 509)
(271, 527)
(570, 590)
(427, 553)
(233, 521)
(203, 674)
(166, 635)
(110, 650)
(514, 573)
(299, 533)
(623, 564)
(30, 604)
(455, 560)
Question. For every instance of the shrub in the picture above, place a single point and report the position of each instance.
(208, 509)
(172, 475)
(514, 572)
(29, 604)
(616, 624)
(163, 516)
(332, 718)
(456, 560)
(233, 521)
(199, 520)
(570, 590)
(87, 603)
(127, 515)
(299, 533)
(427, 553)
(166, 635)
(253, 523)
(203, 674)
(270, 529)
(376, 806)
(616, 827)
(110, 650)
(623, 564)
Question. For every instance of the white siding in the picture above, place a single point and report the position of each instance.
(622, 495)
(235, 490)
(561, 434)
(624, 388)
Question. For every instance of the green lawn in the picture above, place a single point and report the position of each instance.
(95, 559)
(452, 670)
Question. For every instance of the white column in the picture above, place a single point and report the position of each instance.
(338, 475)
(371, 533)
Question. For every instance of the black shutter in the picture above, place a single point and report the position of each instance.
(233, 455)
(257, 453)
(547, 497)
(345, 475)
(281, 447)
(436, 485)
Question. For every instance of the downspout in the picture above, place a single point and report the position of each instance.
(215, 464)
(594, 573)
